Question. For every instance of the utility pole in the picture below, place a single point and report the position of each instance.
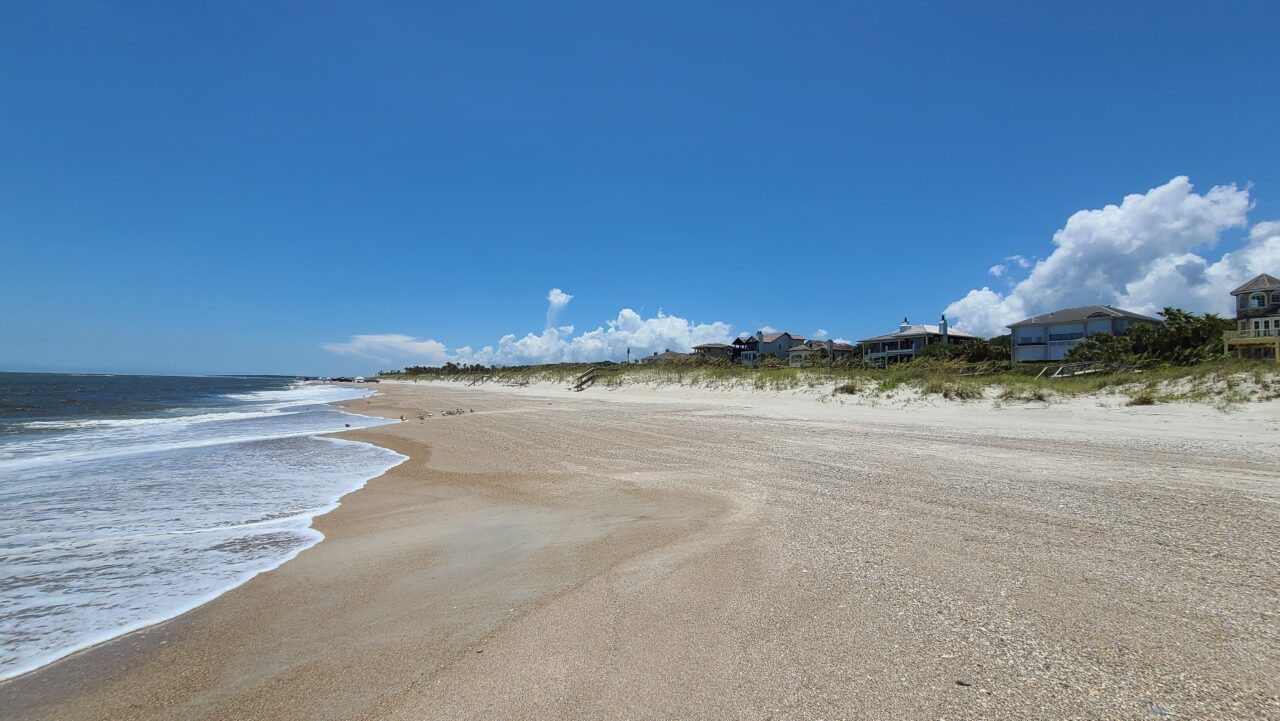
(628, 355)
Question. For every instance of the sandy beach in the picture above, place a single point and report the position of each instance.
(686, 553)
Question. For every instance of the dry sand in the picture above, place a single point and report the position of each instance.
(672, 553)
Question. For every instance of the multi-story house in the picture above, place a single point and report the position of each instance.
(1050, 336)
(1257, 333)
(909, 341)
(756, 347)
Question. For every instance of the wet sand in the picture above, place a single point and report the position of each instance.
(686, 554)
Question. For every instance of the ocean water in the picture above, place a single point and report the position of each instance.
(126, 500)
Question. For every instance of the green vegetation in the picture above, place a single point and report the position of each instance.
(1178, 361)
(1222, 382)
(1183, 339)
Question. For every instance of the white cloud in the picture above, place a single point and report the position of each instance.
(388, 348)
(1142, 255)
(997, 270)
(820, 333)
(610, 341)
(556, 300)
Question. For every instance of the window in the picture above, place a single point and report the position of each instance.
(1275, 298)
(1242, 302)
(1258, 300)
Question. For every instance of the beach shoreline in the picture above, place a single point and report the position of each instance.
(561, 555)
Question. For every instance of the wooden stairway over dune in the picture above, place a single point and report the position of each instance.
(585, 380)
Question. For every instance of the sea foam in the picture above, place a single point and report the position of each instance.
(109, 525)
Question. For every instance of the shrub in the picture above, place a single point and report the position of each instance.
(852, 387)
(1182, 339)
(1142, 398)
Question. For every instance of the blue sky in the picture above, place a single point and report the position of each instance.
(234, 186)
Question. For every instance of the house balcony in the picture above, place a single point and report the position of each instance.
(891, 352)
(1256, 343)
(1264, 336)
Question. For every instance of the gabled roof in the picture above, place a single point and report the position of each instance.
(1084, 312)
(918, 330)
(1262, 282)
(771, 337)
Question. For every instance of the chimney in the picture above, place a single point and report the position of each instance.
(942, 328)
(760, 335)
(906, 326)
(831, 353)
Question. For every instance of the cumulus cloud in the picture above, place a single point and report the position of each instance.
(1146, 253)
(997, 270)
(388, 348)
(820, 333)
(610, 341)
(556, 301)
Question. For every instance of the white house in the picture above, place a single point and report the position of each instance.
(909, 340)
(1049, 337)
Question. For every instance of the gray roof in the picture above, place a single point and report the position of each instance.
(771, 337)
(1262, 282)
(921, 329)
(1084, 312)
(712, 345)
(815, 345)
(667, 355)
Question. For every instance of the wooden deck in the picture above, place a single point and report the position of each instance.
(1250, 340)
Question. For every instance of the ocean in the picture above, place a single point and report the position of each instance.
(127, 500)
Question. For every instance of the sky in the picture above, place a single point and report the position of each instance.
(327, 188)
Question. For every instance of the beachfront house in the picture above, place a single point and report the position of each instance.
(667, 356)
(820, 352)
(756, 347)
(909, 341)
(1257, 333)
(1050, 336)
(716, 350)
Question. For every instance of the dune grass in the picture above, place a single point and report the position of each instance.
(1223, 382)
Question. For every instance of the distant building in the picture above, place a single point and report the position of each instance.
(909, 341)
(1049, 337)
(756, 347)
(716, 350)
(667, 356)
(819, 352)
(1257, 333)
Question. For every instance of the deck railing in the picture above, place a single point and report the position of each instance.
(1248, 334)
